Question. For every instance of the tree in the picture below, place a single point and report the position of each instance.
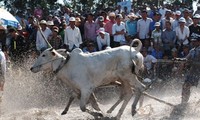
(20, 5)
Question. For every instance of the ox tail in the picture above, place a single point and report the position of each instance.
(137, 48)
(139, 44)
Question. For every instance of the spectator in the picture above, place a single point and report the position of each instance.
(90, 28)
(108, 27)
(168, 37)
(90, 47)
(17, 47)
(3, 38)
(156, 35)
(72, 36)
(131, 25)
(167, 18)
(195, 27)
(149, 63)
(174, 53)
(119, 30)
(157, 52)
(41, 44)
(50, 25)
(176, 21)
(143, 27)
(186, 15)
(185, 52)
(103, 39)
(38, 12)
(54, 39)
(156, 18)
(80, 24)
(198, 10)
(162, 11)
(100, 22)
(182, 34)
(104, 14)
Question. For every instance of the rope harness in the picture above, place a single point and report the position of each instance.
(63, 62)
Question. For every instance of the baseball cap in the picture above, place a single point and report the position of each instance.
(132, 15)
(72, 19)
(101, 18)
(101, 30)
(196, 16)
(43, 22)
(112, 14)
(157, 24)
(182, 19)
(178, 12)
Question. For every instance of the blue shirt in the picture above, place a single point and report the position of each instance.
(131, 27)
(157, 54)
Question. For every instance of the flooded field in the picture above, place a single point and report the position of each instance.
(30, 96)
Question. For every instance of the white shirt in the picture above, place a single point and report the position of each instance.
(72, 37)
(156, 35)
(40, 42)
(143, 28)
(148, 60)
(182, 35)
(115, 28)
(3, 62)
(101, 42)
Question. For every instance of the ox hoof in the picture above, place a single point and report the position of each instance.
(133, 112)
(64, 112)
(109, 111)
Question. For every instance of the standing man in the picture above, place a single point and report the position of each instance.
(192, 78)
(195, 28)
(108, 27)
(119, 31)
(131, 25)
(143, 27)
(41, 44)
(72, 38)
(90, 28)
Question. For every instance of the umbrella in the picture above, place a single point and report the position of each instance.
(6, 18)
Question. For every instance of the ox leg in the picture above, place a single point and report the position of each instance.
(138, 94)
(85, 96)
(127, 97)
(121, 98)
(71, 99)
(94, 103)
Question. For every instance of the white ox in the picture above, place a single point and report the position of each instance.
(84, 72)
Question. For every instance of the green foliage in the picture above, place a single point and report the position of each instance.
(13, 5)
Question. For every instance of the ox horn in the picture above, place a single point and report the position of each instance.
(48, 44)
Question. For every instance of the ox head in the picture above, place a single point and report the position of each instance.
(48, 60)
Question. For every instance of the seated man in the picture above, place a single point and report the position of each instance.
(149, 64)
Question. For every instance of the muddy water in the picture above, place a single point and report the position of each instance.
(30, 96)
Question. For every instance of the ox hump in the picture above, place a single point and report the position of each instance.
(77, 51)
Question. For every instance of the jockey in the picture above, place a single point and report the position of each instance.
(193, 76)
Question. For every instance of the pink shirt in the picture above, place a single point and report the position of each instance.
(108, 27)
(38, 12)
(90, 31)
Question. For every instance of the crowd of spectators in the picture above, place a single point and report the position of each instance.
(166, 32)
